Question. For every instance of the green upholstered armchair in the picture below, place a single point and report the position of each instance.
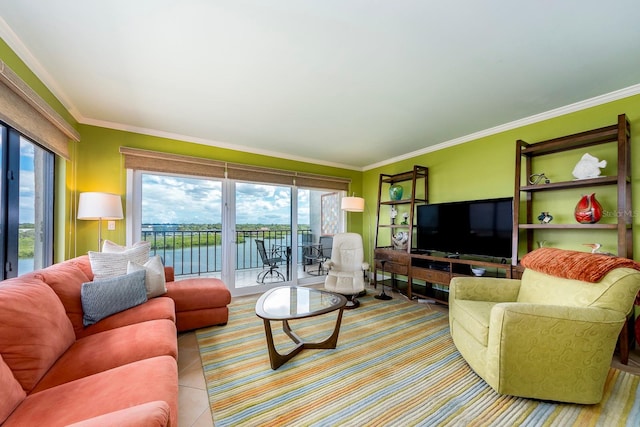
(544, 336)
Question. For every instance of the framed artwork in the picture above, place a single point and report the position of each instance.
(329, 213)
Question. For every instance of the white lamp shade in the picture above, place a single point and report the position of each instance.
(352, 204)
(94, 205)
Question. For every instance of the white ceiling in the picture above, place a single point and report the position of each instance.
(353, 83)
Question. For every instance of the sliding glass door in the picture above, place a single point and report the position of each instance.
(26, 204)
(182, 219)
(219, 228)
(263, 244)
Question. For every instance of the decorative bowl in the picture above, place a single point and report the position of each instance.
(478, 271)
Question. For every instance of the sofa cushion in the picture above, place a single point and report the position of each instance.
(154, 278)
(34, 329)
(104, 297)
(12, 392)
(198, 293)
(87, 356)
(84, 264)
(152, 414)
(66, 279)
(156, 308)
(144, 381)
(114, 262)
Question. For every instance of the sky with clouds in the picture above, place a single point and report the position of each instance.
(27, 183)
(179, 200)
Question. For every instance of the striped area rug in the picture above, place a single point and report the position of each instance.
(395, 365)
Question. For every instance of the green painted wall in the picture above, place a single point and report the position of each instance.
(99, 167)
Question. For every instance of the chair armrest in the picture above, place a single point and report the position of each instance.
(484, 289)
(151, 414)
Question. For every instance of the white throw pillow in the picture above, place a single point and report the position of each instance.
(112, 247)
(110, 264)
(154, 278)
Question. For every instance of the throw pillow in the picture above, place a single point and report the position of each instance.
(110, 264)
(112, 247)
(102, 298)
(154, 279)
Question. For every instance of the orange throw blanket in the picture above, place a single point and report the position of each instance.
(576, 265)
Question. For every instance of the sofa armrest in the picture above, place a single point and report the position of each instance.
(151, 414)
(484, 289)
(169, 274)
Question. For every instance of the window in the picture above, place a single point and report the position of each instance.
(26, 199)
(182, 219)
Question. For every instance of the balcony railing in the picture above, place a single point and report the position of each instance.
(200, 252)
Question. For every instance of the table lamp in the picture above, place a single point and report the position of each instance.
(99, 206)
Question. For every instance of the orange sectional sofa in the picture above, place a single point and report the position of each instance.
(121, 370)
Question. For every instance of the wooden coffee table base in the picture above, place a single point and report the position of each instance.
(278, 359)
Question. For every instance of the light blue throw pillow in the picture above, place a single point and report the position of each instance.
(104, 297)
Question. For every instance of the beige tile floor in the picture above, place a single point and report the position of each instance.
(193, 402)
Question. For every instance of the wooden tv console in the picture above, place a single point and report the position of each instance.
(428, 274)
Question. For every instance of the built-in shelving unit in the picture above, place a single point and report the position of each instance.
(619, 133)
(417, 193)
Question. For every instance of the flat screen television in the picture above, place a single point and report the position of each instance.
(476, 227)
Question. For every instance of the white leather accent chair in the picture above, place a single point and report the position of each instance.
(346, 267)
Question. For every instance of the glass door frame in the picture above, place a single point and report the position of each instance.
(228, 215)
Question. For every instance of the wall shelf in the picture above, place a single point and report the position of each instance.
(620, 134)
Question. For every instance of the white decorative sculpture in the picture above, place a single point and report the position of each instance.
(588, 167)
(400, 240)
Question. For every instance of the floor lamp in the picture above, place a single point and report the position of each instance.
(356, 204)
(99, 206)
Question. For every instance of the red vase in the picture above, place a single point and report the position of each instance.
(588, 210)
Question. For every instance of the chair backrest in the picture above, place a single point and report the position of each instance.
(579, 279)
(616, 291)
(326, 243)
(347, 252)
(262, 251)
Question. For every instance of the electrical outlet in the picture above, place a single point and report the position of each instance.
(111, 225)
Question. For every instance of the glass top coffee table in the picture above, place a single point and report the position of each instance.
(293, 302)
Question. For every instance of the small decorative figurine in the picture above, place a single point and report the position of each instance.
(537, 178)
(405, 219)
(394, 214)
(588, 167)
(400, 240)
(595, 249)
(395, 192)
(588, 210)
(545, 217)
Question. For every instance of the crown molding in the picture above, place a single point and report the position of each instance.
(211, 143)
(557, 112)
